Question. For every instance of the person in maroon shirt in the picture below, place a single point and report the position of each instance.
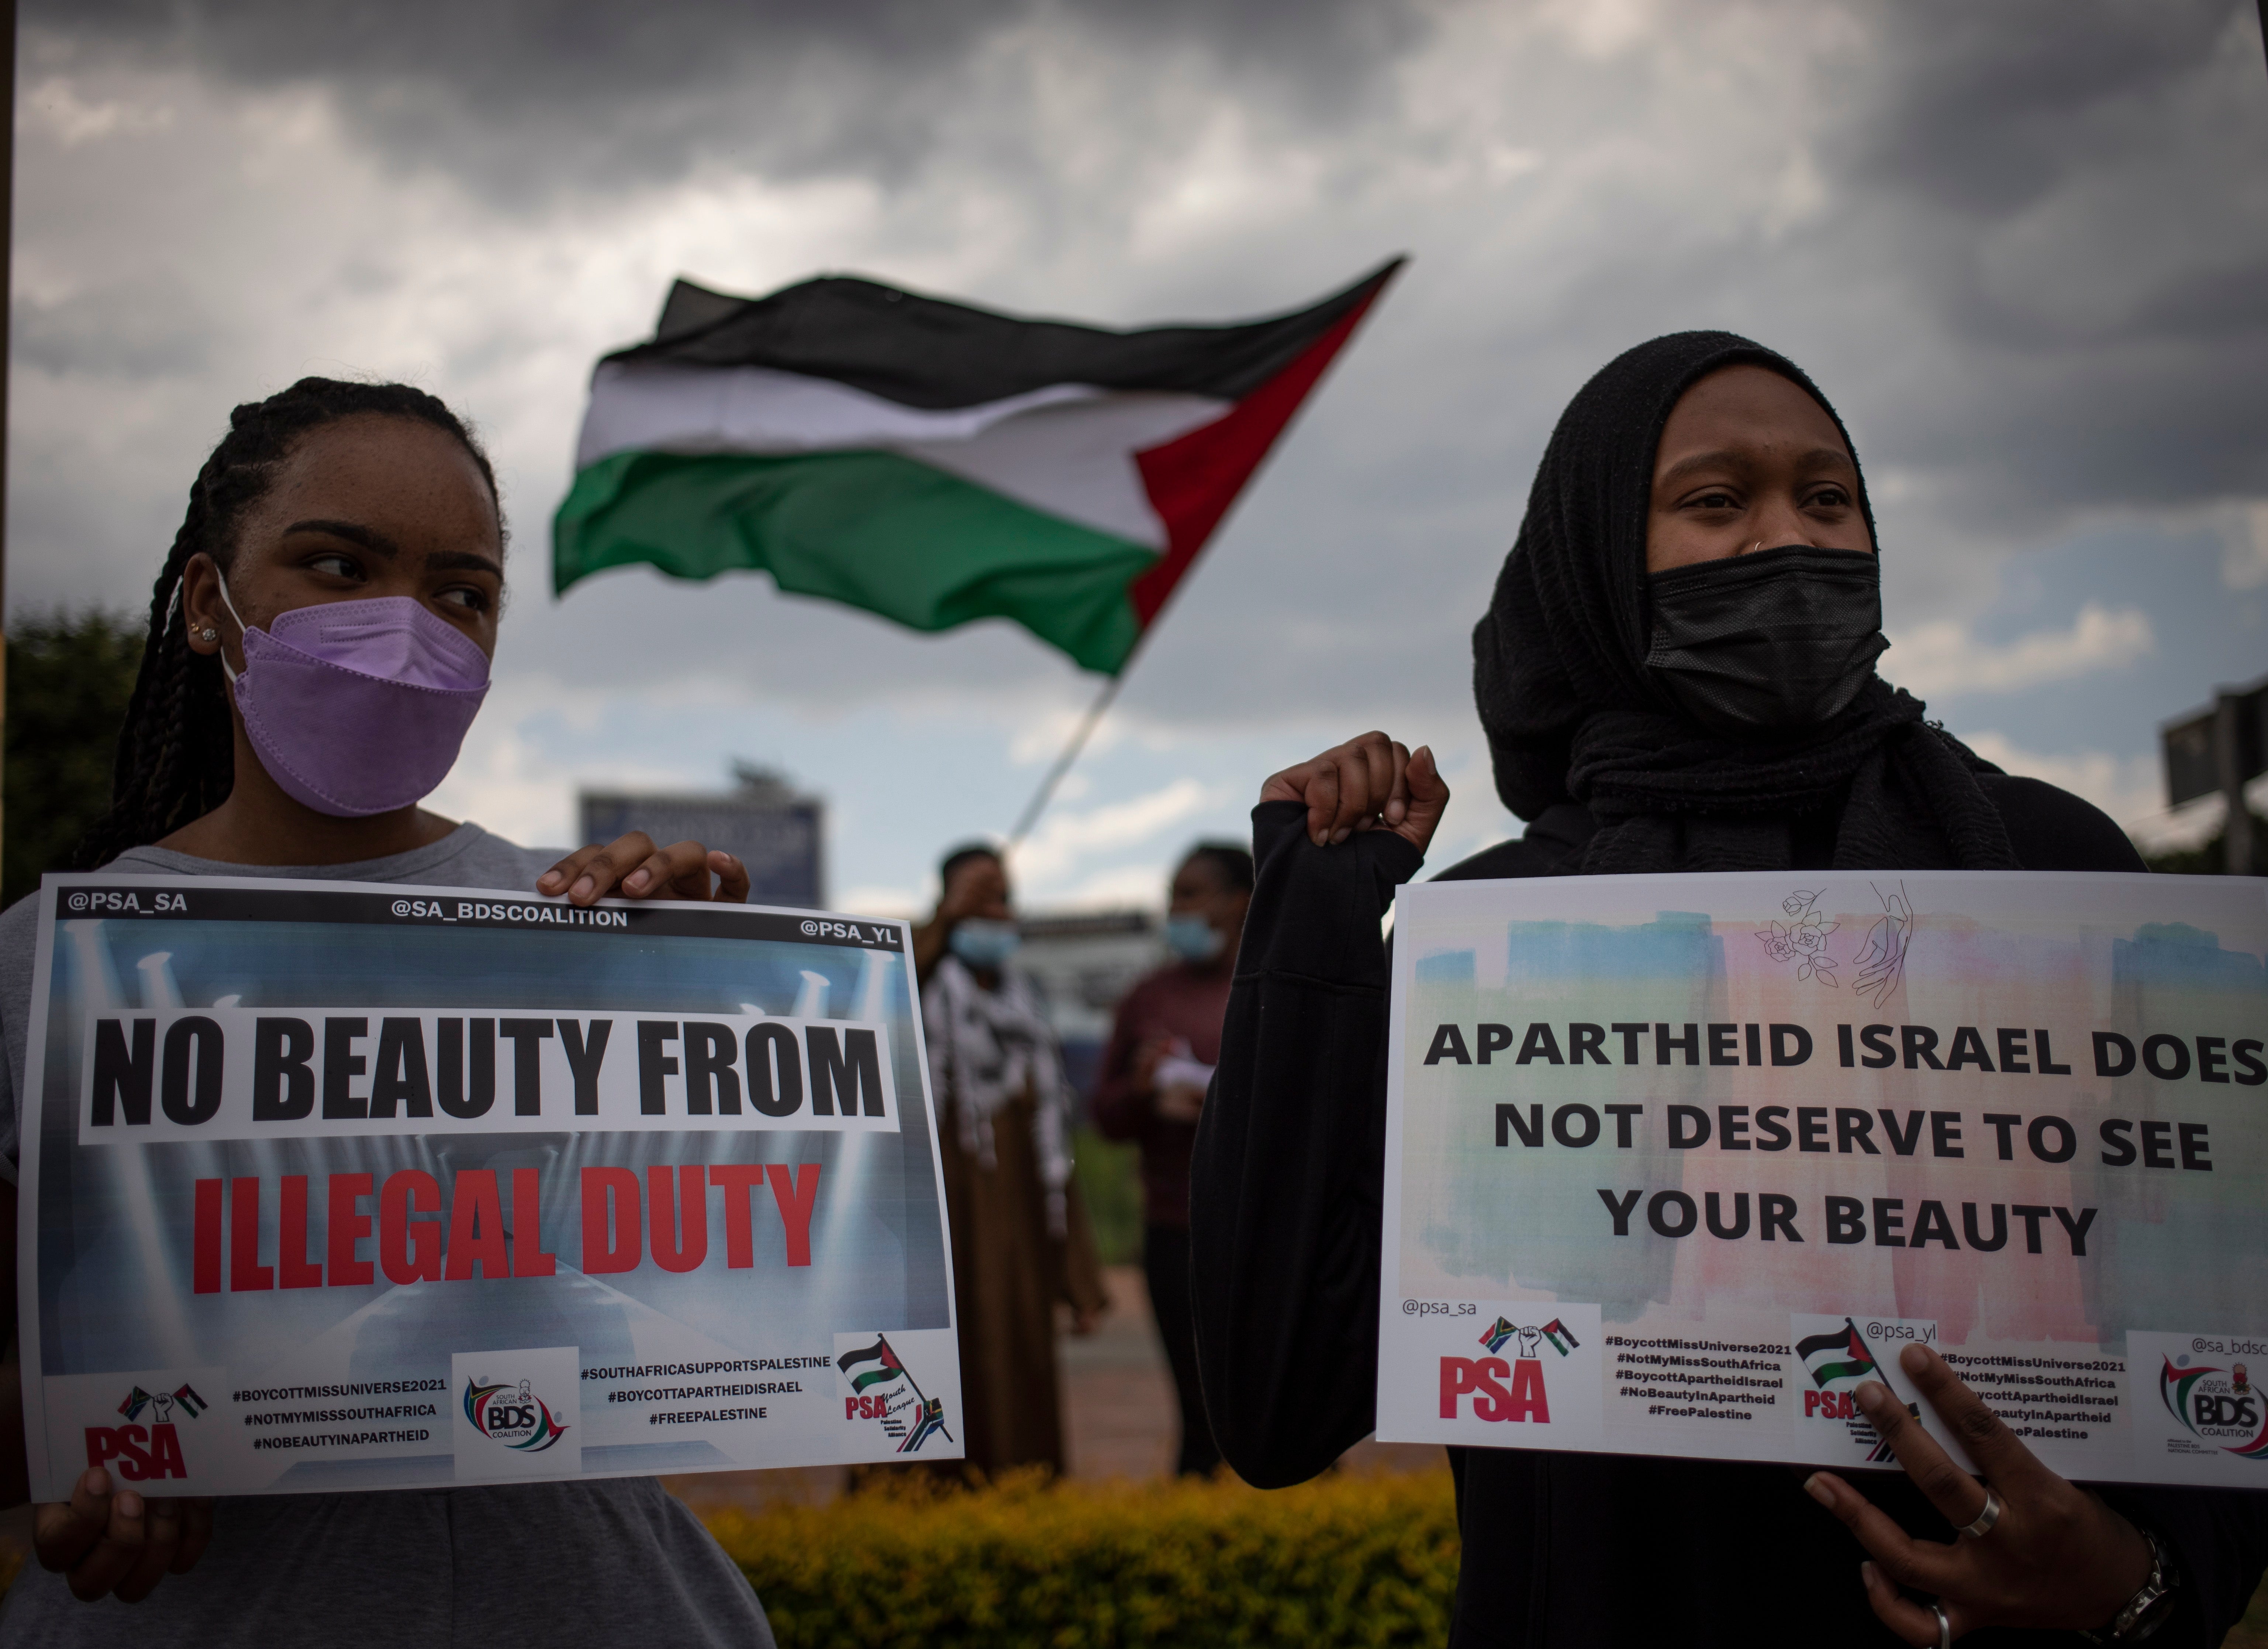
(1163, 1046)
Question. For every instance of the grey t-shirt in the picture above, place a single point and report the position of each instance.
(612, 1561)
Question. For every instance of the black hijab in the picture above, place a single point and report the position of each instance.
(1572, 712)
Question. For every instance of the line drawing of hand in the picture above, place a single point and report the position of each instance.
(1882, 961)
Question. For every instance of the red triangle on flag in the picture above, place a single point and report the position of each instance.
(1193, 479)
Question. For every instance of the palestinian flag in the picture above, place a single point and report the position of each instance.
(1843, 1355)
(192, 1404)
(877, 1366)
(1562, 1337)
(934, 463)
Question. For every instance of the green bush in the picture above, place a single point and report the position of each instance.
(909, 1563)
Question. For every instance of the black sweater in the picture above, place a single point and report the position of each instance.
(1559, 1548)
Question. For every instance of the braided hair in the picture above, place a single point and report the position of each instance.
(177, 751)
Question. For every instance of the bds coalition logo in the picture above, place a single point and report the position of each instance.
(882, 1388)
(2220, 1405)
(1484, 1377)
(145, 1454)
(519, 1420)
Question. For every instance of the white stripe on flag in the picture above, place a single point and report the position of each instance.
(1076, 460)
(663, 406)
(1067, 449)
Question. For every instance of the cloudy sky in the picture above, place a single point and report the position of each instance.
(2024, 246)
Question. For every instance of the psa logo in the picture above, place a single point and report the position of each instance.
(1483, 1376)
(144, 1454)
(517, 1420)
(2220, 1405)
(882, 1388)
(1839, 1355)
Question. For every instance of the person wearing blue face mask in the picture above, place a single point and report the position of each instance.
(1163, 1045)
(1021, 1241)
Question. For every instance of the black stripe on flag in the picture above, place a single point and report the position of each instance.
(930, 353)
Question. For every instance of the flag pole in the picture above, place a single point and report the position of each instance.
(1095, 711)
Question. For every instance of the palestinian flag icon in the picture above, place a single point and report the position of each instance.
(1562, 1337)
(933, 462)
(191, 1404)
(877, 1364)
(1839, 1354)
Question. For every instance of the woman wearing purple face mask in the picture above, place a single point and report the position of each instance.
(319, 642)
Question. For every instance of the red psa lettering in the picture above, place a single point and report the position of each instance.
(1528, 1401)
(165, 1451)
(1459, 1375)
(133, 1464)
(1491, 1402)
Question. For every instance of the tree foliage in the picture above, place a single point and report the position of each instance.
(68, 680)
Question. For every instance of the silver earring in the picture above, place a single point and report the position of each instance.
(207, 635)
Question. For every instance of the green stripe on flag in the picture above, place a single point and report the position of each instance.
(876, 530)
(1827, 1372)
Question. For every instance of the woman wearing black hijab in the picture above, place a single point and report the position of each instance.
(1675, 674)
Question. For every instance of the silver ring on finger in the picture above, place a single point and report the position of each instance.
(1944, 1624)
(1979, 1526)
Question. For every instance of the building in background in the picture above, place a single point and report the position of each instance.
(1084, 961)
(779, 834)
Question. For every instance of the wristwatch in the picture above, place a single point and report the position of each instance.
(2148, 1608)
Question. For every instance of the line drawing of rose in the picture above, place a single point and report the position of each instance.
(1802, 941)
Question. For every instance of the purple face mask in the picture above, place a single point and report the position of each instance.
(357, 707)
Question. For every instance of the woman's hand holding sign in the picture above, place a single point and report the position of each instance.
(2057, 1556)
(633, 866)
(108, 1540)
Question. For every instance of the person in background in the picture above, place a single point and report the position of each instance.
(1163, 1045)
(1021, 1241)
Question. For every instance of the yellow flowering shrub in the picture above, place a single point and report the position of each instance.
(908, 1565)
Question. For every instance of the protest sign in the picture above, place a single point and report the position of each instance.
(1675, 1164)
(330, 1186)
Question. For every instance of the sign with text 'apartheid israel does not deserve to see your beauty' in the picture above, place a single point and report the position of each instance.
(335, 1186)
(1675, 1164)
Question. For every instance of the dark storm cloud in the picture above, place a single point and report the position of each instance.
(2080, 191)
(2031, 262)
(1986, 108)
(525, 97)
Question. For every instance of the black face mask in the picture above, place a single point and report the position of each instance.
(1776, 639)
